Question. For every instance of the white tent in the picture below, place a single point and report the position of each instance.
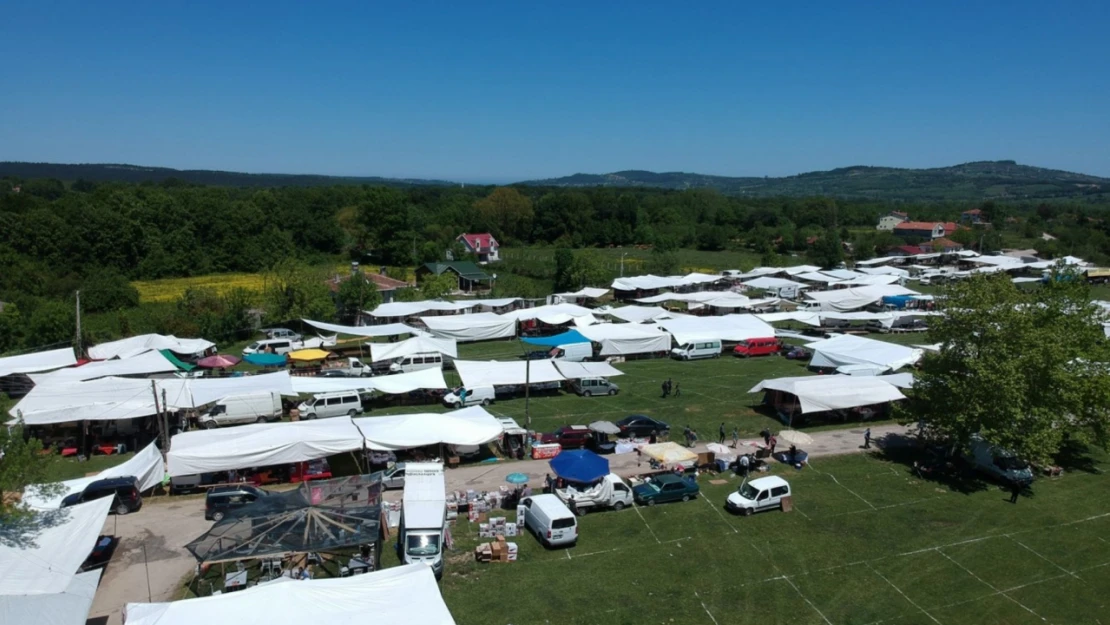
(817, 276)
(625, 339)
(699, 297)
(842, 274)
(146, 466)
(37, 361)
(69, 607)
(578, 370)
(386, 329)
(407, 309)
(585, 293)
(757, 272)
(819, 393)
(872, 280)
(260, 445)
(774, 284)
(550, 310)
(640, 314)
(403, 595)
(843, 300)
(901, 380)
(884, 270)
(475, 373)
(848, 349)
(143, 364)
(388, 384)
(473, 327)
(466, 426)
(725, 328)
(44, 561)
(877, 261)
(135, 345)
(415, 345)
(799, 269)
(647, 283)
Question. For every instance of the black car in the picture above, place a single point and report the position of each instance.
(223, 499)
(101, 553)
(124, 490)
(642, 426)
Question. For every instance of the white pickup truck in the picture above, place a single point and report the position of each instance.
(351, 368)
(610, 492)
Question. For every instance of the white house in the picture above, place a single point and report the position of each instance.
(482, 245)
(891, 219)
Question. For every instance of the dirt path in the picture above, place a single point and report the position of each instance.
(165, 525)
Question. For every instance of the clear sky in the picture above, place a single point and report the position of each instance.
(489, 91)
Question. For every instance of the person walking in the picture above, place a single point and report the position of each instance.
(677, 391)
(548, 483)
(735, 437)
(721, 433)
(772, 442)
(670, 386)
(766, 434)
(1015, 491)
(867, 438)
(664, 387)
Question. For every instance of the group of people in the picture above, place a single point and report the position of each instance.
(668, 386)
(735, 435)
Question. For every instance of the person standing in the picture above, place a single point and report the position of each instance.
(766, 434)
(867, 438)
(735, 437)
(772, 442)
(663, 386)
(745, 465)
(670, 385)
(1015, 491)
(721, 433)
(677, 391)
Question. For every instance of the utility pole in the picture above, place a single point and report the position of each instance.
(158, 416)
(77, 341)
(166, 421)
(528, 391)
(622, 263)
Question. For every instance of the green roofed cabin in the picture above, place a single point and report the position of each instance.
(471, 277)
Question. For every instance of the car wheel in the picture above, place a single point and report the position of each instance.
(581, 511)
(485, 402)
(651, 502)
(352, 412)
(122, 509)
(746, 512)
(586, 394)
(261, 420)
(310, 416)
(211, 425)
(618, 506)
(685, 498)
(612, 391)
(217, 516)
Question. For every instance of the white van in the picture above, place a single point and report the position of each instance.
(478, 395)
(417, 362)
(698, 349)
(766, 493)
(574, 352)
(238, 409)
(550, 521)
(277, 346)
(324, 405)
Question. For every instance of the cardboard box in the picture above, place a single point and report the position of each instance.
(484, 530)
(497, 549)
(511, 529)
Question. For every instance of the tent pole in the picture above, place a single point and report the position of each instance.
(528, 391)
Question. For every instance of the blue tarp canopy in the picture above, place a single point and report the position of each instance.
(566, 338)
(265, 360)
(898, 301)
(580, 465)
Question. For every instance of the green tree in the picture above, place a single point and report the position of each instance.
(507, 212)
(587, 269)
(294, 291)
(826, 252)
(356, 294)
(24, 466)
(564, 258)
(1024, 369)
(106, 290)
(11, 328)
(436, 287)
(662, 262)
(52, 323)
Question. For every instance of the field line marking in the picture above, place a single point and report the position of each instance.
(637, 509)
(904, 595)
(806, 599)
(802, 513)
(876, 509)
(992, 586)
(723, 519)
(568, 553)
(706, 609)
(675, 540)
(1030, 550)
(860, 497)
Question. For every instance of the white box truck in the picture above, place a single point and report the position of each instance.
(423, 516)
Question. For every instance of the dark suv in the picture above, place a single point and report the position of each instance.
(222, 500)
(569, 437)
(124, 490)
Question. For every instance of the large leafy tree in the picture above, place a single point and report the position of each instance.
(294, 291)
(23, 465)
(1025, 369)
(507, 212)
(587, 269)
(356, 294)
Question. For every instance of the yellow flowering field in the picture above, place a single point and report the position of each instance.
(169, 289)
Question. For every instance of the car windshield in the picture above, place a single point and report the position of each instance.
(748, 492)
(652, 484)
(252, 346)
(422, 544)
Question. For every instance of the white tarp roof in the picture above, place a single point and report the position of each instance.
(872, 280)
(586, 292)
(817, 276)
(842, 274)
(724, 328)
(878, 261)
(135, 345)
(550, 310)
(818, 393)
(639, 314)
(406, 309)
(69, 607)
(757, 272)
(884, 270)
(699, 297)
(1008, 262)
(843, 300)
(143, 364)
(466, 426)
(415, 345)
(44, 561)
(260, 445)
(386, 329)
(475, 373)
(773, 284)
(559, 319)
(901, 380)
(146, 466)
(578, 370)
(810, 318)
(388, 384)
(625, 338)
(38, 361)
(403, 595)
(648, 282)
(848, 349)
(473, 327)
(797, 269)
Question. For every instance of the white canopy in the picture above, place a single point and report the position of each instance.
(146, 466)
(407, 309)
(818, 393)
(260, 445)
(724, 328)
(901, 380)
(848, 349)
(773, 284)
(69, 607)
(578, 370)
(403, 595)
(415, 345)
(466, 426)
(585, 293)
(640, 314)
(143, 364)
(475, 373)
(646, 283)
(550, 310)
(135, 345)
(842, 274)
(623, 338)
(757, 272)
(386, 329)
(884, 270)
(473, 327)
(843, 300)
(45, 561)
(37, 361)
(799, 269)
(699, 296)
(876, 261)
(388, 384)
(872, 280)
(810, 318)
(817, 276)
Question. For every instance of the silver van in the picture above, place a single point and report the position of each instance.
(550, 521)
(588, 387)
(277, 346)
(324, 405)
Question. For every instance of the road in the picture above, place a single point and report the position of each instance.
(152, 541)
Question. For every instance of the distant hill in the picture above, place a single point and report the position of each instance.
(97, 172)
(968, 182)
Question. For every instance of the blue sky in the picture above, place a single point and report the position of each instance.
(506, 91)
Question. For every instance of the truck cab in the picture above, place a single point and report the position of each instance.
(423, 516)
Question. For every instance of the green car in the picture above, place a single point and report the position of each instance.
(665, 487)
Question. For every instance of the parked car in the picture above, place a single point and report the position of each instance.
(766, 493)
(642, 426)
(798, 353)
(587, 387)
(101, 553)
(277, 346)
(282, 333)
(665, 487)
(123, 490)
(999, 463)
(757, 347)
(569, 437)
(223, 499)
(394, 477)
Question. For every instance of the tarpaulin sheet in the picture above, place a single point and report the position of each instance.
(578, 370)
(415, 345)
(407, 309)
(647, 283)
(626, 339)
(385, 329)
(388, 384)
(586, 292)
(550, 310)
(774, 284)
(45, 559)
(848, 349)
(473, 327)
(69, 607)
(476, 373)
(725, 328)
(466, 426)
(37, 361)
(844, 300)
(135, 345)
(147, 467)
(639, 314)
(818, 393)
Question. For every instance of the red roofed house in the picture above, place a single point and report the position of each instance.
(925, 229)
(906, 250)
(973, 216)
(944, 244)
(892, 219)
(482, 245)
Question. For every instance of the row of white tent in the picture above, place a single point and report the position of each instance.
(820, 393)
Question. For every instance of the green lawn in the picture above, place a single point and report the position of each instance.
(867, 543)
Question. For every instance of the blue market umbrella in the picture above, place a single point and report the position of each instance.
(580, 465)
(516, 478)
(265, 360)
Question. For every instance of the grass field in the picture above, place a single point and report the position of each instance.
(170, 289)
